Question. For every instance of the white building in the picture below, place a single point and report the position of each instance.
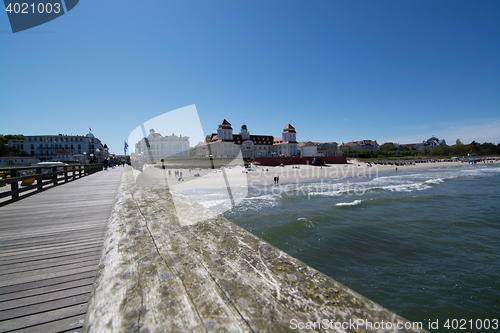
(156, 147)
(429, 144)
(287, 144)
(225, 144)
(309, 150)
(77, 148)
(18, 160)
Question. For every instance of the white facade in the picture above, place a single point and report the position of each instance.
(156, 147)
(18, 160)
(57, 147)
(287, 145)
(309, 151)
(225, 144)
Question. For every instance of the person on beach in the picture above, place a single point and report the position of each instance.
(396, 170)
(277, 180)
(274, 180)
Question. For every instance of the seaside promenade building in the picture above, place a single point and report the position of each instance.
(321, 149)
(429, 143)
(156, 147)
(63, 148)
(225, 144)
(361, 145)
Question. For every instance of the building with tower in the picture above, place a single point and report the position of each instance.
(225, 144)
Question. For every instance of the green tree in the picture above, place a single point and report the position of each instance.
(388, 146)
(459, 148)
(441, 150)
(4, 139)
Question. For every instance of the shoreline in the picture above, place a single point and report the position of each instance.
(238, 176)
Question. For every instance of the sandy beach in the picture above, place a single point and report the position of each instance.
(264, 175)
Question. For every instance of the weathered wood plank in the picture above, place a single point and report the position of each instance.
(70, 324)
(28, 286)
(50, 245)
(48, 248)
(41, 318)
(73, 284)
(43, 268)
(46, 297)
(23, 278)
(44, 307)
(93, 250)
(46, 263)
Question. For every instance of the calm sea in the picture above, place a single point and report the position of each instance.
(425, 244)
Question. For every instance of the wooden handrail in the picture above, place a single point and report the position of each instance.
(66, 173)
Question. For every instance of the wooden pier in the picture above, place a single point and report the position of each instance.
(50, 246)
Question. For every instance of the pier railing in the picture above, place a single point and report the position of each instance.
(171, 265)
(34, 179)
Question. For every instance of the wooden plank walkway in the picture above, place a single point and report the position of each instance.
(50, 246)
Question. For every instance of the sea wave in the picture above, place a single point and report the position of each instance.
(354, 203)
(434, 181)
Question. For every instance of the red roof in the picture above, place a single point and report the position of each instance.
(225, 124)
(289, 128)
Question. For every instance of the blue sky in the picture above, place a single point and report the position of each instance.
(398, 71)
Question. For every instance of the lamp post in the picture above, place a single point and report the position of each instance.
(84, 157)
(97, 151)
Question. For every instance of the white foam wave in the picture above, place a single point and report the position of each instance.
(434, 181)
(354, 203)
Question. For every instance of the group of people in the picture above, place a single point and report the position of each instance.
(106, 163)
(111, 163)
(177, 174)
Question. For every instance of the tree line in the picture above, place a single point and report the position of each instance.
(459, 149)
(6, 151)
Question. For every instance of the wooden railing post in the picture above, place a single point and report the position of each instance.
(39, 179)
(66, 174)
(54, 176)
(14, 186)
